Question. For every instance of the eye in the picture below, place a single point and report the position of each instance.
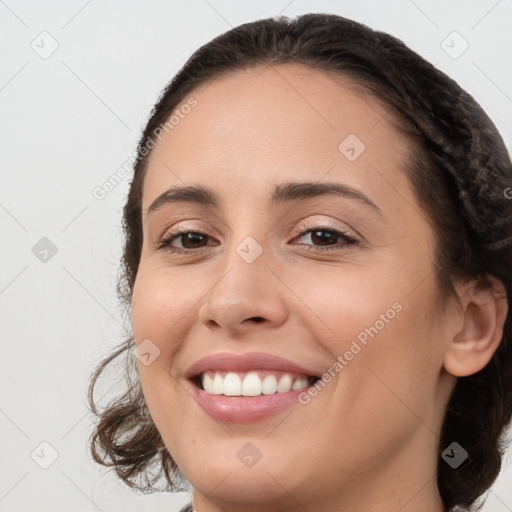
(325, 236)
(321, 238)
(190, 241)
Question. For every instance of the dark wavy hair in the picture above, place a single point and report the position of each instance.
(460, 171)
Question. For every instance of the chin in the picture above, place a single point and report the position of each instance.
(236, 486)
(225, 478)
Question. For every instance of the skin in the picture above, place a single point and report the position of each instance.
(368, 440)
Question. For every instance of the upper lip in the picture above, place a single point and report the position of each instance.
(244, 363)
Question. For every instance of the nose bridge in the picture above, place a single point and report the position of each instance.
(246, 288)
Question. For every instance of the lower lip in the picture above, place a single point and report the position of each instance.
(241, 409)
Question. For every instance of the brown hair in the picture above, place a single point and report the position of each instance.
(460, 171)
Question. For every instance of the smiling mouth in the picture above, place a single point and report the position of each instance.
(251, 384)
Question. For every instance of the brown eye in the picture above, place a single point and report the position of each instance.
(191, 240)
(323, 238)
(188, 241)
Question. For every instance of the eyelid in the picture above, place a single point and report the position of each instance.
(173, 233)
(325, 224)
(309, 224)
(184, 225)
(177, 229)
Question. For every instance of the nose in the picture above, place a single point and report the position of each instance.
(244, 297)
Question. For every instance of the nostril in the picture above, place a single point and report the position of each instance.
(257, 319)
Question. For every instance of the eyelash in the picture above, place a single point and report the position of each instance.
(164, 243)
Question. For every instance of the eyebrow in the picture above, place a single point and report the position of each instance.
(285, 192)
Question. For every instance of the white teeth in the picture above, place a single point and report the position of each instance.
(252, 385)
(285, 384)
(217, 385)
(300, 383)
(207, 382)
(269, 385)
(232, 384)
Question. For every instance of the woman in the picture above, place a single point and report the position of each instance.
(317, 261)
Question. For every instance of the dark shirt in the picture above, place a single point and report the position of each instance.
(190, 508)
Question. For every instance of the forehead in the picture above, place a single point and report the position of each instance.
(257, 127)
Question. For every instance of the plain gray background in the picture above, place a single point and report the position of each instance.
(69, 120)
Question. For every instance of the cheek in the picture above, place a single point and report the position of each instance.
(161, 308)
(161, 315)
(344, 303)
(397, 364)
(159, 318)
(385, 381)
(374, 320)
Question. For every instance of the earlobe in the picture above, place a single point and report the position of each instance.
(485, 307)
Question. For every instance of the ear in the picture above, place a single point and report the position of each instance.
(484, 307)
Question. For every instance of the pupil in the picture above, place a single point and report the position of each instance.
(326, 239)
(192, 238)
(320, 237)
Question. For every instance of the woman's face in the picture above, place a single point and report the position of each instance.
(287, 289)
